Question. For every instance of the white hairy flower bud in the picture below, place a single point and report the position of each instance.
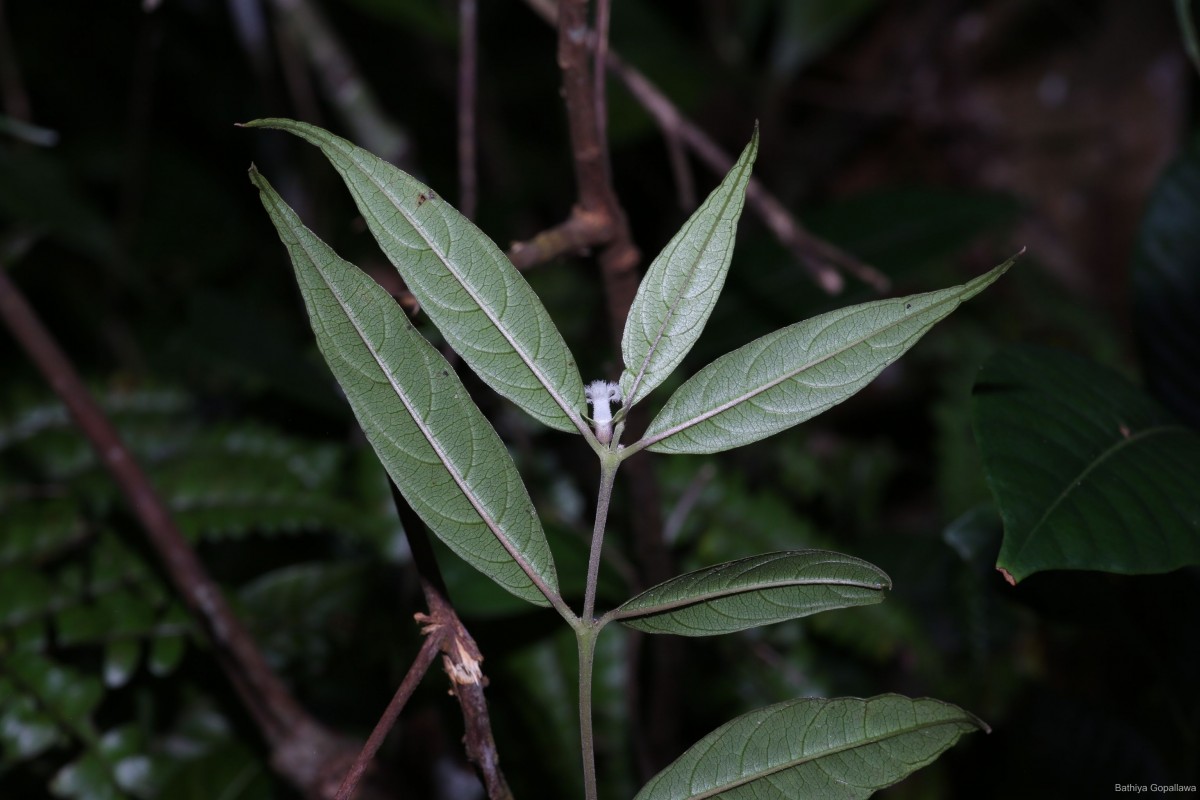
(600, 394)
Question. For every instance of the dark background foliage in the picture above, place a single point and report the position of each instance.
(930, 139)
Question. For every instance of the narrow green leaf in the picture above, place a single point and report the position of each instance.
(436, 445)
(471, 291)
(754, 591)
(792, 375)
(841, 749)
(1088, 472)
(680, 289)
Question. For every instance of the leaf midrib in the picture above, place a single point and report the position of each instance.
(527, 360)
(445, 460)
(718, 410)
(1077, 483)
(798, 762)
(708, 597)
(671, 307)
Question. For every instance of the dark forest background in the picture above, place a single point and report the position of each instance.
(929, 139)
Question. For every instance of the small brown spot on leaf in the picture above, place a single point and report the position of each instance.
(1007, 576)
(423, 197)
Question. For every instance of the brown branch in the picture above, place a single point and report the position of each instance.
(618, 256)
(468, 45)
(580, 232)
(461, 656)
(416, 671)
(599, 53)
(820, 258)
(597, 219)
(302, 751)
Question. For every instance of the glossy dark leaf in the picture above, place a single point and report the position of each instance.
(1166, 288)
(1087, 471)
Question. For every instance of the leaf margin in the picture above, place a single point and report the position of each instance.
(633, 613)
(663, 429)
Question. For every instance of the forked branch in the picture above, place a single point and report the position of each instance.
(823, 260)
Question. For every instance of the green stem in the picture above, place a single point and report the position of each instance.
(609, 462)
(586, 629)
(586, 638)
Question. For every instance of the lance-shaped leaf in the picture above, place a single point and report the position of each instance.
(472, 292)
(754, 591)
(799, 371)
(681, 287)
(445, 457)
(813, 749)
(1088, 472)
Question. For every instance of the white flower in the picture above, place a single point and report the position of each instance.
(600, 394)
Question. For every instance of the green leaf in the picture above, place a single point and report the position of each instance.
(67, 695)
(121, 659)
(1088, 472)
(87, 778)
(822, 749)
(792, 375)
(678, 292)
(229, 771)
(1166, 288)
(754, 591)
(475, 296)
(167, 650)
(24, 595)
(26, 730)
(436, 445)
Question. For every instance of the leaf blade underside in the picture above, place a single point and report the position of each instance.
(795, 373)
(445, 457)
(759, 590)
(468, 287)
